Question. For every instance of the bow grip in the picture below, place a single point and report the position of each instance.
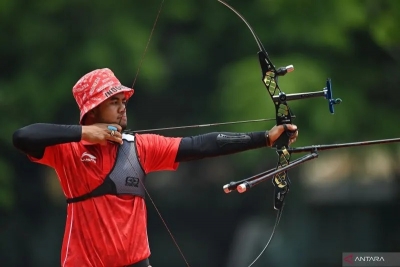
(283, 139)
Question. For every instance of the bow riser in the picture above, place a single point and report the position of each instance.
(283, 116)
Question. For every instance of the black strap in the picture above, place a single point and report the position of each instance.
(107, 187)
(142, 263)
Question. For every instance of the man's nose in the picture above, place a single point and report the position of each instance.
(122, 108)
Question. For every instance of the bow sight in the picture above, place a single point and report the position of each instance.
(267, 68)
(326, 92)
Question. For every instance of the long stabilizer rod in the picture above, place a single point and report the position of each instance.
(343, 145)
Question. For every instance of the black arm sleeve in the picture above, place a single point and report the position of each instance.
(33, 139)
(218, 144)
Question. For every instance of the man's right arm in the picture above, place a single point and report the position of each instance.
(33, 139)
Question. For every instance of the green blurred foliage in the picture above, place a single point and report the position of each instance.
(200, 66)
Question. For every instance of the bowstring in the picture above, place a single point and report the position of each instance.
(158, 212)
(148, 42)
(144, 187)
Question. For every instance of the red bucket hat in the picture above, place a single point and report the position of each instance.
(95, 87)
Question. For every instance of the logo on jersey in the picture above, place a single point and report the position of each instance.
(132, 181)
(88, 157)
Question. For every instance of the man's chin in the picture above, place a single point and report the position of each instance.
(123, 124)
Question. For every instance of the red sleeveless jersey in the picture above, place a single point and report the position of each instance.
(109, 230)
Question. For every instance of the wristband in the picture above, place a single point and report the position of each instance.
(267, 138)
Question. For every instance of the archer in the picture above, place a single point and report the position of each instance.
(102, 170)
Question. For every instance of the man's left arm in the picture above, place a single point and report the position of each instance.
(218, 144)
(158, 153)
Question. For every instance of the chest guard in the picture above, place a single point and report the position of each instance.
(126, 177)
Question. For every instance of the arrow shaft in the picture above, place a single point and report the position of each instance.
(198, 125)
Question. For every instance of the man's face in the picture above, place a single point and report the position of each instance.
(112, 110)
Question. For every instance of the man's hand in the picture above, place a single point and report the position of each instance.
(277, 131)
(100, 134)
